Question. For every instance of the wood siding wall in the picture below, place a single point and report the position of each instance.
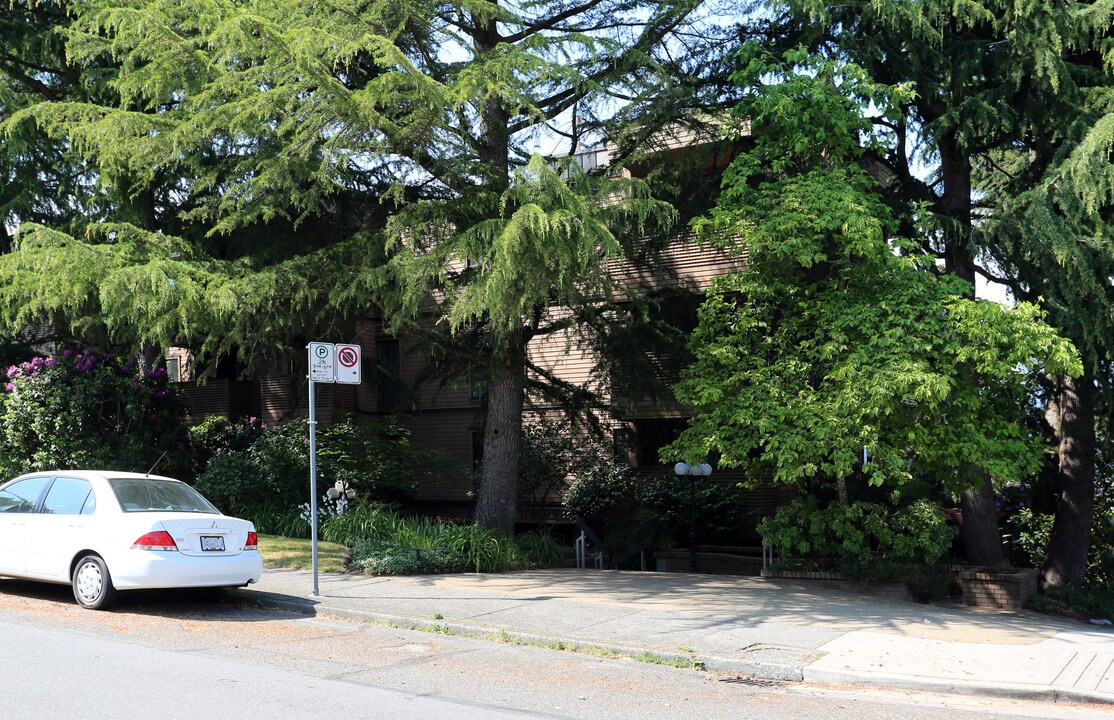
(233, 399)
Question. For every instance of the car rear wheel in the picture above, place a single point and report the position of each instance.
(92, 585)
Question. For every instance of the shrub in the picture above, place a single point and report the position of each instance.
(1033, 532)
(485, 549)
(550, 453)
(1087, 603)
(217, 435)
(272, 470)
(1035, 529)
(624, 508)
(396, 543)
(228, 484)
(859, 532)
(364, 523)
(92, 410)
(252, 465)
(376, 559)
(916, 533)
(599, 491)
(275, 519)
(539, 548)
(375, 457)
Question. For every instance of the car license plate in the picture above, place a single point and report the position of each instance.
(212, 543)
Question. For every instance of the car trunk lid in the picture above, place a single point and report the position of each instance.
(207, 535)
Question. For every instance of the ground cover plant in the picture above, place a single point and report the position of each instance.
(387, 542)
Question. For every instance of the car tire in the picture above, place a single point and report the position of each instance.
(92, 585)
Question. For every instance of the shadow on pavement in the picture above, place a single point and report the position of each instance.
(201, 604)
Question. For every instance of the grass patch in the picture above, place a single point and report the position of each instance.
(296, 553)
(689, 663)
(685, 663)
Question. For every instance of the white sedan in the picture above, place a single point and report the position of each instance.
(105, 531)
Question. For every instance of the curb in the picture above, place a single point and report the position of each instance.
(309, 606)
(1010, 691)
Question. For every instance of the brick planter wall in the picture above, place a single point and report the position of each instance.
(708, 562)
(835, 581)
(1003, 591)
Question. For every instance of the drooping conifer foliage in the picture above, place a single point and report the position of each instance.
(245, 157)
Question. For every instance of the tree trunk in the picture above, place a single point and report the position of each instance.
(494, 136)
(981, 539)
(982, 543)
(148, 357)
(955, 206)
(497, 497)
(1066, 563)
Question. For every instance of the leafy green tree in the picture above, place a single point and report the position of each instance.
(1012, 113)
(840, 336)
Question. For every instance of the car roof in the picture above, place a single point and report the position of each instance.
(92, 474)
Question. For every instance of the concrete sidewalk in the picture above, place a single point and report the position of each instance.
(742, 625)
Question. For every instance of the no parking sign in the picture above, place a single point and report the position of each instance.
(348, 364)
(329, 363)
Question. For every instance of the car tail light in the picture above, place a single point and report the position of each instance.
(159, 540)
(253, 541)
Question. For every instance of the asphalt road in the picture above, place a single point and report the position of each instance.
(174, 655)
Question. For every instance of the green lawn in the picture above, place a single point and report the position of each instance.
(296, 553)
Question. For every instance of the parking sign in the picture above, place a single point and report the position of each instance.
(322, 362)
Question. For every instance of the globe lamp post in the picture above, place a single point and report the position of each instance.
(693, 472)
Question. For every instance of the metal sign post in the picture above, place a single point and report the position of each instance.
(328, 363)
(321, 369)
(313, 483)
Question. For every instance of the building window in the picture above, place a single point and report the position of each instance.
(388, 386)
(174, 369)
(651, 435)
(625, 446)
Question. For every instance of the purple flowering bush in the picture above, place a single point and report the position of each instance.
(85, 409)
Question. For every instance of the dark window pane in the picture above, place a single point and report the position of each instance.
(388, 385)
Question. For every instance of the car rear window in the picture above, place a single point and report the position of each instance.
(150, 495)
